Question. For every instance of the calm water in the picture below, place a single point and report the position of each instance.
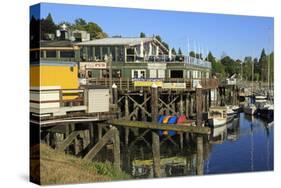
(244, 145)
(250, 150)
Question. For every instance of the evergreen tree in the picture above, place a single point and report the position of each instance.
(174, 51)
(263, 65)
(47, 26)
(142, 35)
(179, 52)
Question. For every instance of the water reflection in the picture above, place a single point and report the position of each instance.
(245, 144)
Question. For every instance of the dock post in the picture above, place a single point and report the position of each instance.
(199, 105)
(181, 105)
(187, 105)
(116, 150)
(192, 104)
(127, 118)
(155, 136)
(199, 159)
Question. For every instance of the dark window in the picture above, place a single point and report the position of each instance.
(34, 55)
(51, 53)
(176, 74)
(67, 54)
(116, 73)
(41, 54)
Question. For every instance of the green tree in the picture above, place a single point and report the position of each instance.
(211, 58)
(92, 28)
(142, 35)
(263, 62)
(158, 38)
(174, 51)
(192, 54)
(230, 65)
(47, 26)
(179, 51)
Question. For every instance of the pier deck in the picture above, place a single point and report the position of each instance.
(186, 127)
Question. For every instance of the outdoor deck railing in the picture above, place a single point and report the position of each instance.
(128, 83)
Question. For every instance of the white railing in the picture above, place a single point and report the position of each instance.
(192, 61)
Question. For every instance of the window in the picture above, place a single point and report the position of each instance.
(67, 54)
(138, 74)
(176, 74)
(135, 74)
(51, 53)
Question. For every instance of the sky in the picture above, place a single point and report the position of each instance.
(236, 36)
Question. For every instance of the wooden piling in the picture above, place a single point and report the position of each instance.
(199, 159)
(181, 104)
(155, 136)
(127, 117)
(116, 150)
(187, 105)
(114, 94)
(199, 105)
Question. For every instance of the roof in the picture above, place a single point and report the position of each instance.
(53, 63)
(56, 43)
(131, 41)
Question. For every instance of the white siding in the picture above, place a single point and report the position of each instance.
(153, 74)
(161, 73)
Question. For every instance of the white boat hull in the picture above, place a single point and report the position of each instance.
(215, 122)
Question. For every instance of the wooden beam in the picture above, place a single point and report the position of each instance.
(157, 126)
(140, 106)
(140, 137)
(66, 142)
(101, 143)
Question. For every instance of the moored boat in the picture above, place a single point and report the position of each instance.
(250, 109)
(217, 116)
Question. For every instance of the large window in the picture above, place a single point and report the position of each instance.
(67, 54)
(176, 74)
(51, 53)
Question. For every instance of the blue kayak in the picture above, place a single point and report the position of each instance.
(172, 120)
(160, 120)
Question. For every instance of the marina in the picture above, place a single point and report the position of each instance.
(135, 105)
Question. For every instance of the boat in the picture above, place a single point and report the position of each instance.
(266, 111)
(217, 116)
(230, 114)
(236, 108)
(250, 109)
(167, 119)
(181, 119)
(172, 120)
(260, 98)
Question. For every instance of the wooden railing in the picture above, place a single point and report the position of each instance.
(66, 97)
(128, 84)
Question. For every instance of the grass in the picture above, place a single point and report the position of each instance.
(60, 168)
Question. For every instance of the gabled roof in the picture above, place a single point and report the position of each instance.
(123, 41)
(116, 41)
